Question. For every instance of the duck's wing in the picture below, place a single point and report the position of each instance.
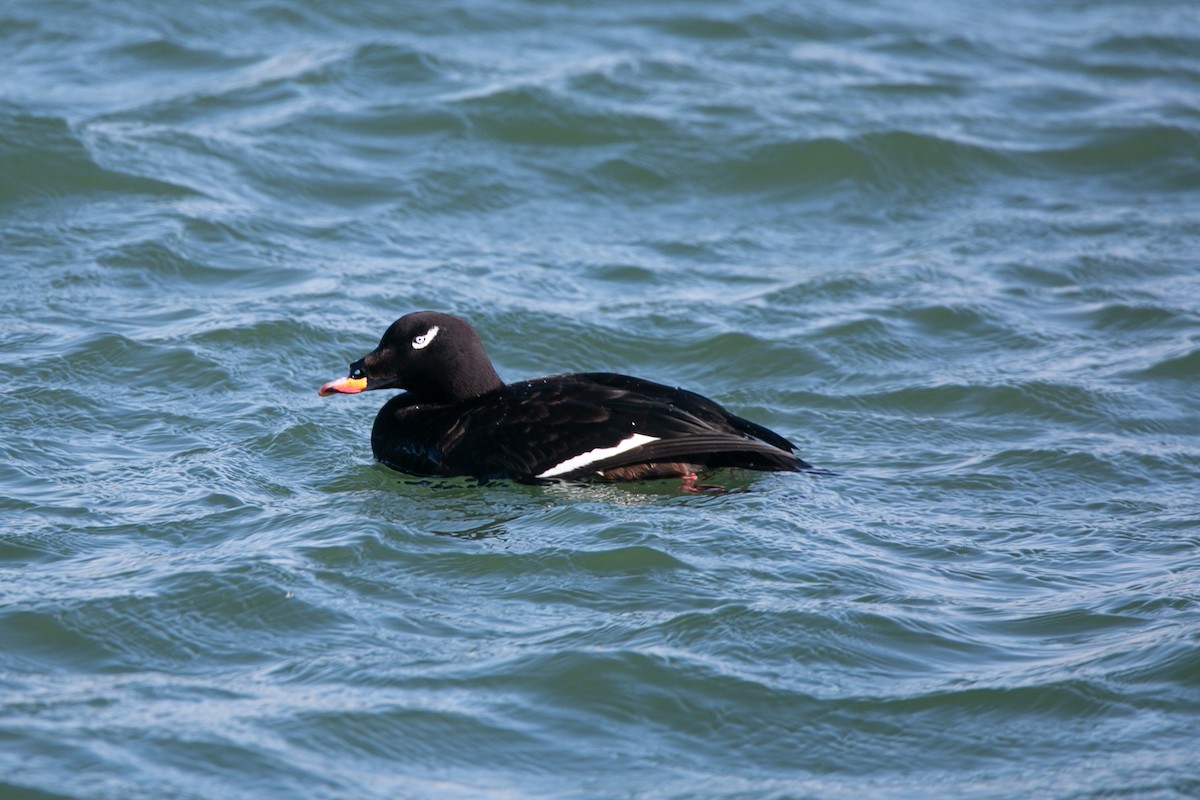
(574, 426)
(697, 405)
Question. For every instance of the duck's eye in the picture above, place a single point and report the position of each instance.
(425, 338)
(358, 373)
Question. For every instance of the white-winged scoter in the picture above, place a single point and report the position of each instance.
(457, 417)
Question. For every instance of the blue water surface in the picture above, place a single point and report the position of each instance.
(948, 248)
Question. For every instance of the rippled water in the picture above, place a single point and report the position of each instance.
(949, 248)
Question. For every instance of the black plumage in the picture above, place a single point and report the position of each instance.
(457, 417)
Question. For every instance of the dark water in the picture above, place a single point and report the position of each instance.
(949, 248)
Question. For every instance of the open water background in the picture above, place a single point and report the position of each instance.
(948, 247)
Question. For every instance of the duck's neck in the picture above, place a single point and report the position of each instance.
(466, 384)
(464, 373)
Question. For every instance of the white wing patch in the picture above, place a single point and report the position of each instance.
(599, 454)
(422, 341)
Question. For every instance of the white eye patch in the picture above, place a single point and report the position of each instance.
(422, 341)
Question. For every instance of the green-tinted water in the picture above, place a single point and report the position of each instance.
(950, 249)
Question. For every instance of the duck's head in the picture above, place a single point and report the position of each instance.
(430, 354)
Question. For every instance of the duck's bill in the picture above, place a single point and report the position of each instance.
(343, 386)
